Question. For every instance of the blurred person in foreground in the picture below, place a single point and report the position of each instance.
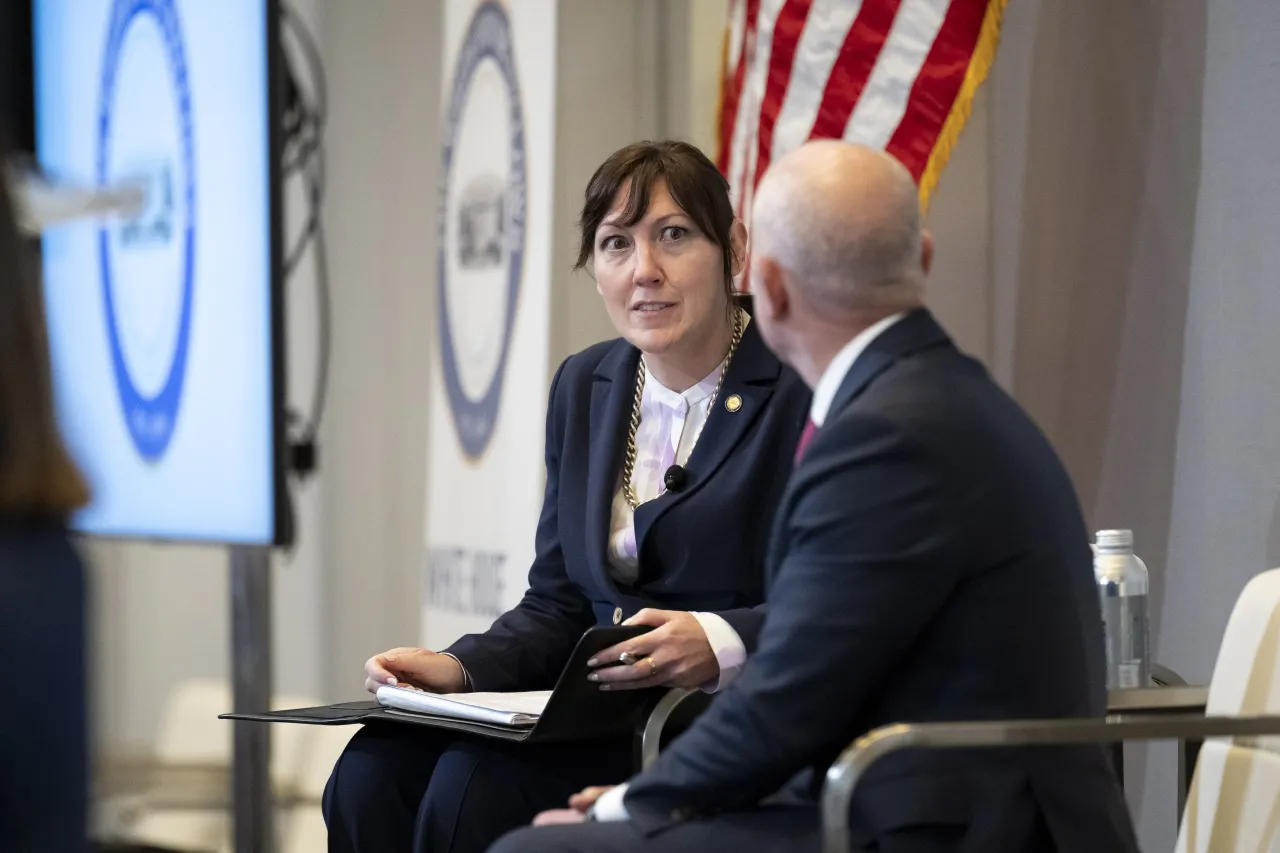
(929, 563)
(43, 741)
(689, 382)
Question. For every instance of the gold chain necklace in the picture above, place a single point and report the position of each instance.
(629, 463)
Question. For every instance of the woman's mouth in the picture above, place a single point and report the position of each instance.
(650, 308)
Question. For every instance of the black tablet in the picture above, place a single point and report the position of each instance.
(577, 710)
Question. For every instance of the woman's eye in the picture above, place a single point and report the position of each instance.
(612, 243)
(674, 233)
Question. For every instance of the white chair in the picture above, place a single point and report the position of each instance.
(185, 807)
(191, 743)
(302, 826)
(1234, 802)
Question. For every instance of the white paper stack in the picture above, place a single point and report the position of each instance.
(506, 709)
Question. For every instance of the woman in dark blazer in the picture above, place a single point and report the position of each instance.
(43, 749)
(689, 384)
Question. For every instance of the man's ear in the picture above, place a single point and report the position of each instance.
(738, 247)
(769, 287)
(926, 251)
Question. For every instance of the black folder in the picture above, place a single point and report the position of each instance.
(577, 710)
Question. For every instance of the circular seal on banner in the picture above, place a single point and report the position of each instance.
(148, 263)
(482, 225)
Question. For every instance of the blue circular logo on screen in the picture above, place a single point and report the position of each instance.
(482, 225)
(147, 263)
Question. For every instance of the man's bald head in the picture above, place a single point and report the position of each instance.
(844, 222)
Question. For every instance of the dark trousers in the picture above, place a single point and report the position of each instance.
(767, 829)
(400, 788)
(770, 829)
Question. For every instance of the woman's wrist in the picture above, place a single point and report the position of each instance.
(461, 683)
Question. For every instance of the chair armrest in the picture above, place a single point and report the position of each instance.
(147, 775)
(1124, 704)
(845, 773)
(651, 737)
(1163, 676)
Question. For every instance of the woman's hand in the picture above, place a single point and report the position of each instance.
(675, 654)
(414, 668)
(578, 805)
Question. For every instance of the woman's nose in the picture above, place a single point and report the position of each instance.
(648, 270)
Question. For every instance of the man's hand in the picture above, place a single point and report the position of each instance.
(553, 817)
(414, 668)
(579, 803)
(675, 654)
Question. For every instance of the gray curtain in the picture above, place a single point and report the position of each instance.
(1136, 235)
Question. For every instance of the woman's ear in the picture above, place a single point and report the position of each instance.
(738, 246)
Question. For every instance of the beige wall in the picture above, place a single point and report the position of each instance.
(351, 586)
(1106, 242)
(1134, 249)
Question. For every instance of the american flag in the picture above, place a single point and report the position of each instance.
(898, 75)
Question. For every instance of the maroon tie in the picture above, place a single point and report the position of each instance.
(810, 430)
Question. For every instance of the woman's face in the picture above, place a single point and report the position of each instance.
(662, 279)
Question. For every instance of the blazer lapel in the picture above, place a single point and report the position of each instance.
(914, 332)
(752, 375)
(612, 397)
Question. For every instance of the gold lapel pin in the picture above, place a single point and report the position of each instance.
(733, 403)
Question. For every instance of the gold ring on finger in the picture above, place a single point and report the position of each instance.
(653, 667)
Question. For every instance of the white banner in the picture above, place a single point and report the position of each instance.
(488, 390)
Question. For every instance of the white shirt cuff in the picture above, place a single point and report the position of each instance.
(609, 807)
(730, 651)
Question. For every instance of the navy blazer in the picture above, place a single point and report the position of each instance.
(930, 562)
(701, 549)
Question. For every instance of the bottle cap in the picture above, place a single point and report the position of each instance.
(1115, 539)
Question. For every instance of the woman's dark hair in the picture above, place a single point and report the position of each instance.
(693, 181)
(37, 477)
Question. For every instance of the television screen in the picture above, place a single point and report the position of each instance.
(162, 327)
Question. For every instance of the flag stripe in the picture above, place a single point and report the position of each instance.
(786, 38)
(820, 46)
(937, 85)
(733, 93)
(884, 100)
(743, 155)
(741, 123)
(897, 75)
(853, 68)
(737, 28)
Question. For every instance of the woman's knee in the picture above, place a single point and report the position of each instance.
(470, 774)
(480, 791)
(378, 764)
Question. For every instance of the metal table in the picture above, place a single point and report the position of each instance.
(1152, 702)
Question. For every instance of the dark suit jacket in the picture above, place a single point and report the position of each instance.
(701, 549)
(43, 744)
(929, 563)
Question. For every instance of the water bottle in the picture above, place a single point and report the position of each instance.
(1122, 588)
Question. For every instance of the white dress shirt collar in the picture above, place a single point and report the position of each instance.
(657, 394)
(824, 393)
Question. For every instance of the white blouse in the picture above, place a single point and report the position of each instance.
(670, 424)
